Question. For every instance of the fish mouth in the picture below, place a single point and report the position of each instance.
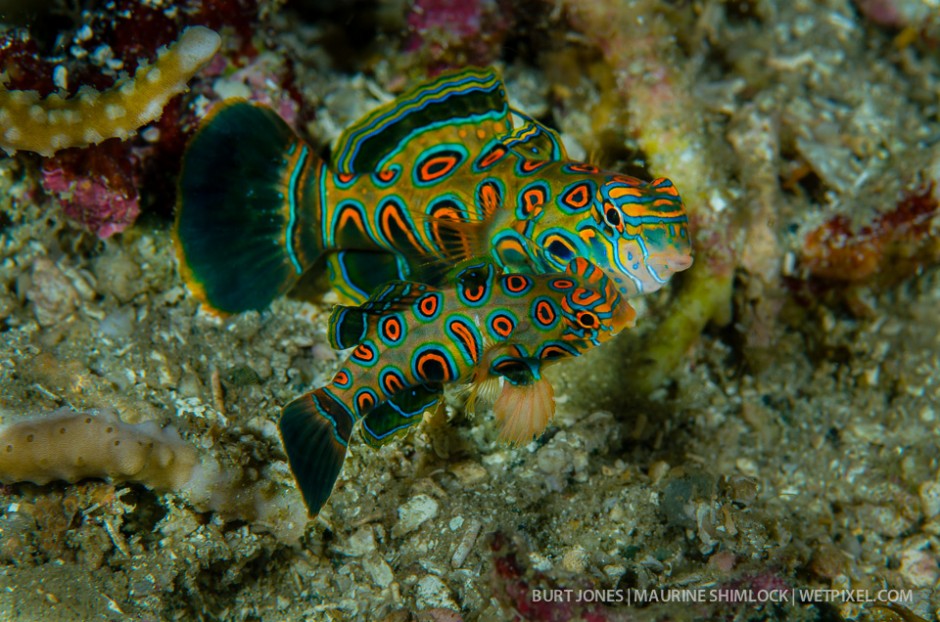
(678, 263)
(647, 275)
(662, 266)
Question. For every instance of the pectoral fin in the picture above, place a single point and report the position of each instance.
(524, 411)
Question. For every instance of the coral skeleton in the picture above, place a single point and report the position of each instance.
(46, 125)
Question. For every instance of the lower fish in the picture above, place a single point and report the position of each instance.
(491, 330)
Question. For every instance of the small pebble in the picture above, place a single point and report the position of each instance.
(722, 561)
(747, 466)
(930, 498)
(360, 543)
(919, 568)
(466, 543)
(414, 513)
(433, 592)
(827, 562)
(552, 460)
(469, 473)
(658, 470)
(574, 560)
(51, 294)
(614, 571)
(379, 571)
(118, 274)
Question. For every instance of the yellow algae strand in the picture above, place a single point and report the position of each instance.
(668, 126)
(46, 125)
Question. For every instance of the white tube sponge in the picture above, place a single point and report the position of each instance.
(70, 446)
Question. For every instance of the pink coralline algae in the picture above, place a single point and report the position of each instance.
(452, 33)
(884, 12)
(917, 19)
(97, 186)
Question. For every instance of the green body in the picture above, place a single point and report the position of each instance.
(410, 339)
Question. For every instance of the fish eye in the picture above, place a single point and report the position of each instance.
(587, 319)
(612, 216)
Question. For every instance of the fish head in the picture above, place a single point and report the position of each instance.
(637, 232)
(646, 229)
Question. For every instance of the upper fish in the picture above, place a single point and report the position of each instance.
(444, 173)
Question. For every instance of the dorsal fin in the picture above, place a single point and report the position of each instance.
(349, 325)
(392, 418)
(534, 141)
(467, 106)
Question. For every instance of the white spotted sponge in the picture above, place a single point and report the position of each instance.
(46, 125)
(70, 446)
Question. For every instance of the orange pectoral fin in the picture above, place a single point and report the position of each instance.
(524, 410)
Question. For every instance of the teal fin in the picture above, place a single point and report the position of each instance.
(244, 234)
(472, 97)
(349, 324)
(315, 430)
(392, 418)
(534, 141)
(355, 274)
(393, 296)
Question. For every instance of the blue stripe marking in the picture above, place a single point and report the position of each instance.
(638, 221)
(323, 412)
(292, 194)
(326, 236)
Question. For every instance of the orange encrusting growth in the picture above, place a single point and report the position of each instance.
(894, 246)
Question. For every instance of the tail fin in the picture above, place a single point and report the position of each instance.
(245, 228)
(315, 430)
